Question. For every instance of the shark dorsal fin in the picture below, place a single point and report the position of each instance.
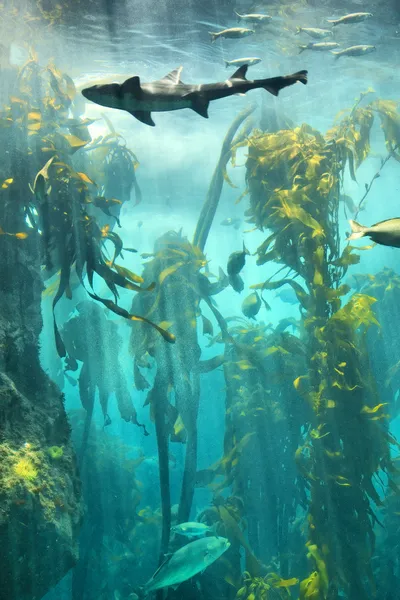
(174, 77)
(131, 86)
(240, 73)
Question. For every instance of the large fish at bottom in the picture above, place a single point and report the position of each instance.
(187, 562)
(170, 93)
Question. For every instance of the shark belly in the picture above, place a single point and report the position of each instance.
(162, 105)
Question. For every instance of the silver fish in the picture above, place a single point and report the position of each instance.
(314, 32)
(386, 233)
(253, 17)
(352, 18)
(233, 33)
(239, 62)
(187, 562)
(192, 529)
(354, 51)
(319, 46)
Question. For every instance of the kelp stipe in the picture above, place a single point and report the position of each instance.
(294, 178)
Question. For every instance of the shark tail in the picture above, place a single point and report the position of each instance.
(227, 63)
(213, 36)
(336, 54)
(238, 16)
(357, 231)
(302, 48)
(298, 30)
(333, 22)
(276, 84)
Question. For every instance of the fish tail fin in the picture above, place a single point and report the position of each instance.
(302, 48)
(276, 84)
(298, 30)
(227, 63)
(213, 36)
(357, 231)
(333, 22)
(238, 16)
(335, 54)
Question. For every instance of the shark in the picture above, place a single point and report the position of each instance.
(170, 93)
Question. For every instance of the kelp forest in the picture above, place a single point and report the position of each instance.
(306, 485)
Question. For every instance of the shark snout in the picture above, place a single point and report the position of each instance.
(87, 93)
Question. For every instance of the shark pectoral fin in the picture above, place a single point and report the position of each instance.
(272, 90)
(198, 103)
(240, 73)
(131, 86)
(143, 116)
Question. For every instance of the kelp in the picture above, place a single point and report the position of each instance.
(40, 141)
(270, 587)
(176, 266)
(295, 178)
(109, 162)
(220, 174)
(263, 418)
(382, 343)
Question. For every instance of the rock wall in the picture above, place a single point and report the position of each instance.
(40, 501)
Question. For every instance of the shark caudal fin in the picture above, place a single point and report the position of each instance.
(276, 84)
(357, 231)
(227, 63)
(213, 36)
(336, 54)
(298, 30)
(333, 22)
(238, 17)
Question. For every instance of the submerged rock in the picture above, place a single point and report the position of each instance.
(40, 503)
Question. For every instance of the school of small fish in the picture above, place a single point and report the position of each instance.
(256, 20)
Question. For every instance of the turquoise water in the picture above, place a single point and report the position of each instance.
(245, 443)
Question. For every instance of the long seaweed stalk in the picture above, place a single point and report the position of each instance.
(214, 191)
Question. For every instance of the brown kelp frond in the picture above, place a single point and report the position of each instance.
(295, 179)
(36, 127)
(270, 587)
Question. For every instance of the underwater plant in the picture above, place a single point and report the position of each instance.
(40, 141)
(174, 396)
(295, 178)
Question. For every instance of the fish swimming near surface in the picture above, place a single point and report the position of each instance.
(319, 46)
(315, 32)
(352, 18)
(231, 221)
(186, 562)
(192, 529)
(386, 233)
(239, 62)
(170, 93)
(232, 33)
(354, 51)
(251, 305)
(236, 261)
(253, 17)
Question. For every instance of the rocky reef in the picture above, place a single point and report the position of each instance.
(40, 502)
